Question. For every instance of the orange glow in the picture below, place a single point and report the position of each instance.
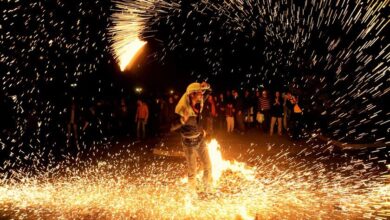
(128, 53)
(219, 165)
(266, 190)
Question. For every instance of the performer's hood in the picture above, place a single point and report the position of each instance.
(184, 102)
(195, 87)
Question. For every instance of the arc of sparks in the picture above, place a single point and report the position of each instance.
(127, 54)
(126, 31)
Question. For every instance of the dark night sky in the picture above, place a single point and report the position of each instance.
(53, 50)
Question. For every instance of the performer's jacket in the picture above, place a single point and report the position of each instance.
(191, 131)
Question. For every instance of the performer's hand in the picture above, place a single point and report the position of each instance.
(186, 115)
(204, 84)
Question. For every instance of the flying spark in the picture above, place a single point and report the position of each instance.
(279, 187)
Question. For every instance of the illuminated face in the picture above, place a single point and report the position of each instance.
(196, 96)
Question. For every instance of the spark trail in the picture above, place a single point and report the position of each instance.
(279, 186)
(334, 50)
(335, 53)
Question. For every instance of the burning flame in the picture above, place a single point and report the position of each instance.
(219, 165)
(103, 191)
(127, 53)
(188, 203)
(243, 214)
(126, 29)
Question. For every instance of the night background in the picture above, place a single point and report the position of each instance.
(334, 55)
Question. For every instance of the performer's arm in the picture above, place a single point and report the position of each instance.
(179, 122)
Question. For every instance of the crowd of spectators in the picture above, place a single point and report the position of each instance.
(78, 122)
(76, 125)
(273, 113)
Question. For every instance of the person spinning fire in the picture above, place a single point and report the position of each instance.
(193, 135)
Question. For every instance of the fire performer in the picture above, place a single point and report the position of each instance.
(193, 135)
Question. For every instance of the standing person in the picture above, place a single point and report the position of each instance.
(92, 133)
(228, 96)
(259, 115)
(123, 116)
(209, 114)
(238, 106)
(286, 113)
(165, 115)
(141, 118)
(276, 113)
(220, 111)
(247, 109)
(160, 114)
(171, 110)
(229, 111)
(189, 108)
(154, 115)
(296, 115)
(265, 107)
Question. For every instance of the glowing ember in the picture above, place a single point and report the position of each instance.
(119, 188)
(342, 46)
(275, 187)
(219, 165)
(128, 52)
(126, 34)
(130, 20)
